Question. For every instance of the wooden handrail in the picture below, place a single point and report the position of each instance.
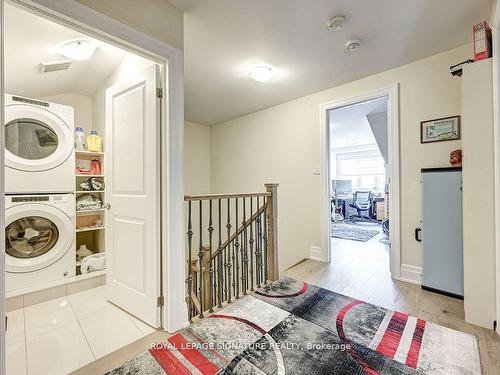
(207, 197)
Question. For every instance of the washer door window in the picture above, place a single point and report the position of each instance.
(30, 139)
(36, 235)
(35, 139)
(30, 237)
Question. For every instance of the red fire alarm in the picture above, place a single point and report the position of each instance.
(482, 41)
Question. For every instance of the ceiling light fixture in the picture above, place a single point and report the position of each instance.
(262, 72)
(336, 23)
(77, 49)
(353, 44)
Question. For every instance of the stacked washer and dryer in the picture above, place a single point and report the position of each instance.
(39, 187)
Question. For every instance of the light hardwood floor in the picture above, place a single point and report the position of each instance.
(119, 357)
(361, 270)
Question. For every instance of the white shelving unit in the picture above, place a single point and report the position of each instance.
(88, 153)
(89, 212)
(87, 231)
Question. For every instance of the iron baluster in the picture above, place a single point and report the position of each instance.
(190, 266)
(228, 252)
(201, 252)
(220, 277)
(251, 242)
(210, 264)
(236, 250)
(244, 251)
(258, 247)
(266, 275)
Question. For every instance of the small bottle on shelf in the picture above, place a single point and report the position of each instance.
(80, 144)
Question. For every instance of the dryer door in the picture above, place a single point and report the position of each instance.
(36, 235)
(35, 139)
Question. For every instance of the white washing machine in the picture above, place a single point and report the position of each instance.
(39, 138)
(39, 239)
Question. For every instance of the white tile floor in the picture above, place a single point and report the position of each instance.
(64, 334)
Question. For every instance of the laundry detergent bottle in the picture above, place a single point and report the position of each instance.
(94, 142)
(80, 139)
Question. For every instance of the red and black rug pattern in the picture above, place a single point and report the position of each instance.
(291, 327)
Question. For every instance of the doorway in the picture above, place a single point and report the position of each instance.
(115, 96)
(360, 179)
(358, 160)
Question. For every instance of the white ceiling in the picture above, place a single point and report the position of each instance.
(182, 5)
(223, 37)
(30, 40)
(349, 125)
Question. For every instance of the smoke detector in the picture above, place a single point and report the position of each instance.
(54, 66)
(353, 44)
(336, 23)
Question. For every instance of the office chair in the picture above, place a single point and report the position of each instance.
(362, 201)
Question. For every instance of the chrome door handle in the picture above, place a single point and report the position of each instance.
(107, 206)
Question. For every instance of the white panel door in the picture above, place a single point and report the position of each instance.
(133, 193)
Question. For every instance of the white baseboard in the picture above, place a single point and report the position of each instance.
(317, 254)
(411, 274)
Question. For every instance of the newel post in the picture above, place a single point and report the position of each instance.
(272, 231)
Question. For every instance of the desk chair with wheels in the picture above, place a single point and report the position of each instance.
(362, 202)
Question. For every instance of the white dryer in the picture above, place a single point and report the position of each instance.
(39, 239)
(39, 140)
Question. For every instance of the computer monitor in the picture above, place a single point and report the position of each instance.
(342, 186)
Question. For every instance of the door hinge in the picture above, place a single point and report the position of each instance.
(160, 301)
(159, 92)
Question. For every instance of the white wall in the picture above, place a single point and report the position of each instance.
(157, 18)
(282, 144)
(478, 195)
(197, 157)
(82, 105)
(378, 124)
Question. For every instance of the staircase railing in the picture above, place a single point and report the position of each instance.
(231, 247)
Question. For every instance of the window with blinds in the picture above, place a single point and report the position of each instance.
(365, 169)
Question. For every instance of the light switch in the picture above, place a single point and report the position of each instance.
(316, 170)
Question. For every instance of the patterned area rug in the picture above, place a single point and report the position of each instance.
(290, 327)
(349, 232)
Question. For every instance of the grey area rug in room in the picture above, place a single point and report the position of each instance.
(290, 327)
(349, 232)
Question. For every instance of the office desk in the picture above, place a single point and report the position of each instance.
(345, 199)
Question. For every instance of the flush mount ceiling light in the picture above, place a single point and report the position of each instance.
(262, 72)
(77, 49)
(336, 23)
(353, 44)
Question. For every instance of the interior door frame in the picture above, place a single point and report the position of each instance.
(86, 20)
(392, 93)
(495, 30)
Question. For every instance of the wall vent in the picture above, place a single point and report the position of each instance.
(30, 101)
(54, 66)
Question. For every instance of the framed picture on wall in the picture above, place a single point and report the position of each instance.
(441, 129)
